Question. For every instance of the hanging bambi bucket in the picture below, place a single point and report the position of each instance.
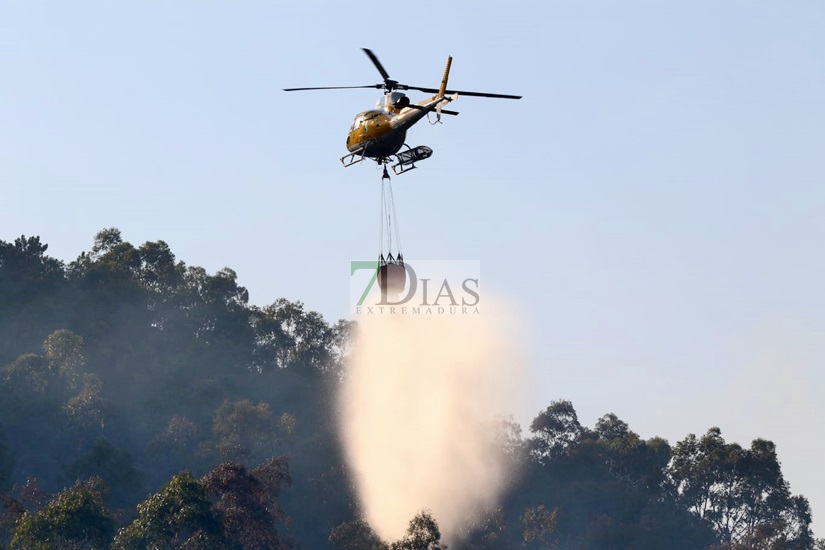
(392, 278)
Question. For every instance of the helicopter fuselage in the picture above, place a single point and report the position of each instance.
(380, 132)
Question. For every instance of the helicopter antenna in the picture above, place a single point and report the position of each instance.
(443, 90)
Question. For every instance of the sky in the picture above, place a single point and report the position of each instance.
(652, 208)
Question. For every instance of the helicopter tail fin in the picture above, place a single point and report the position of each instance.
(443, 90)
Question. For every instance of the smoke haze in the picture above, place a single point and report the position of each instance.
(417, 408)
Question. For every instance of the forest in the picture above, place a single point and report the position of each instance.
(145, 403)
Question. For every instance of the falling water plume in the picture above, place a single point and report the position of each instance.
(417, 408)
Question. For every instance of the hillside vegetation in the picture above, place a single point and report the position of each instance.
(147, 403)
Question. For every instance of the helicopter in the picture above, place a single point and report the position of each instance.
(380, 133)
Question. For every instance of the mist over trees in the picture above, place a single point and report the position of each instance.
(147, 403)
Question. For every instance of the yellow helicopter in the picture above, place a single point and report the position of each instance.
(380, 133)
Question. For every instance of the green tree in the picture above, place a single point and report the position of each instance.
(556, 430)
(740, 492)
(76, 518)
(631, 458)
(158, 272)
(112, 264)
(105, 241)
(87, 410)
(244, 432)
(13, 505)
(605, 484)
(490, 532)
(64, 352)
(214, 311)
(289, 336)
(177, 438)
(180, 515)
(115, 466)
(28, 376)
(422, 534)
(30, 283)
(247, 502)
(539, 524)
(31, 400)
(343, 334)
(55, 376)
(784, 533)
(356, 535)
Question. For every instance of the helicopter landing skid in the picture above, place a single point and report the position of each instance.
(406, 159)
(349, 160)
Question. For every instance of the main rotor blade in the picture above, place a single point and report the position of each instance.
(377, 63)
(460, 93)
(333, 88)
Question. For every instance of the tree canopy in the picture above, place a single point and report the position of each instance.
(146, 403)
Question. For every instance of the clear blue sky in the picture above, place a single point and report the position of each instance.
(653, 206)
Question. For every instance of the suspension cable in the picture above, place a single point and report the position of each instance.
(394, 215)
(381, 225)
(388, 215)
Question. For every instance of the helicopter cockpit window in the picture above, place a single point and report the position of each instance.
(357, 122)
